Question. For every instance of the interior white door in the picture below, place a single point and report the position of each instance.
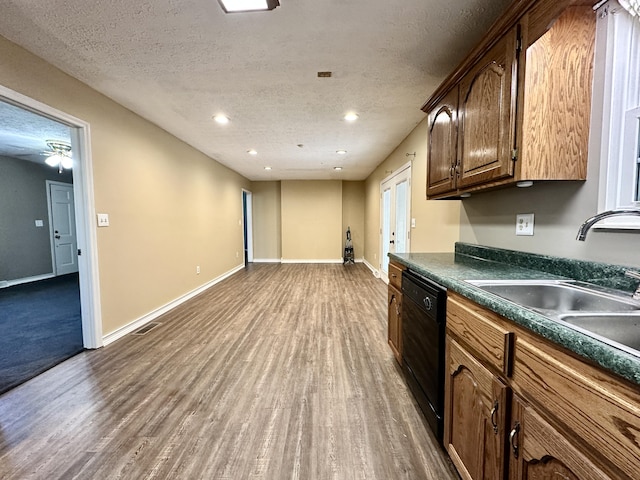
(395, 207)
(63, 228)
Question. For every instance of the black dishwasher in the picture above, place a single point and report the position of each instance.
(423, 331)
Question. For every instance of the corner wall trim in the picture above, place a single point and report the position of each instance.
(375, 271)
(132, 326)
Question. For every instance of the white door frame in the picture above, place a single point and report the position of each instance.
(84, 210)
(249, 207)
(52, 243)
(401, 170)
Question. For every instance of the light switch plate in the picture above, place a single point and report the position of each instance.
(524, 224)
(103, 219)
(39, 223)
(413, 223)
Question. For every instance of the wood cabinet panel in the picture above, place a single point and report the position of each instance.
(482, 330)
(538, 451)
(557, 99)
(475, 416)
(487, 115)
(442, 147)
(395, 274)
(395, 322)
(603, 413)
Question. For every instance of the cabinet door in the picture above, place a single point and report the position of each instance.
(443, 137)
(487, 115)
(395, 317)
(475, 416)
(538, 451)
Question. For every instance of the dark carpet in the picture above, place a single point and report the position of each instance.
(40, 326)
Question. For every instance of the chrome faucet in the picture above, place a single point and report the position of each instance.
(589, 222)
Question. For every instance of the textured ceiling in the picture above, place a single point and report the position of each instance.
(179, 62)
(23, 134)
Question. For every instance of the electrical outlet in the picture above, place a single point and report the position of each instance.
(197, 269)
(237, 254)
(524, 224)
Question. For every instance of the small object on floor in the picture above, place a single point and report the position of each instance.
(348, 249)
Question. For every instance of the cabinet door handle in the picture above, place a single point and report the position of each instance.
(393, 297)
(494, 424)
(512, 437)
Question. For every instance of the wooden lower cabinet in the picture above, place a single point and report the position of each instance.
(550, 415)
(539, 451)
(395, 322)
(475, 416)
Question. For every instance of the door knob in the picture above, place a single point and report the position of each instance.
(392, 241)
(57, 236)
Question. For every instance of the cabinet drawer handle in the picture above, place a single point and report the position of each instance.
(494, 410)
(393, 297)
(512, 437)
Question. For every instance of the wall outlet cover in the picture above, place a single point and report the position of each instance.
(103, 219)
(524, 224)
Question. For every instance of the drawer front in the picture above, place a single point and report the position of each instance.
(395, 274)
(481, 330)
(596, 408)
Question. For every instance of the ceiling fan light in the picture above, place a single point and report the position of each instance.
(233, 6)
(53, 160)
(67, 162)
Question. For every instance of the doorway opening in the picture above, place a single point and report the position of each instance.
(58, 261)
(395, 213)
(247, 226)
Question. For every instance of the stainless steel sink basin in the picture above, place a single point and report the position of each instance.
(605, 314)
(623, 328)
(557, 296)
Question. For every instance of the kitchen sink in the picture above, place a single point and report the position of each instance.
(623, 328)
(606, 314)
(557, 296)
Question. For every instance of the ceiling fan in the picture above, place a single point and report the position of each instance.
(59, 155)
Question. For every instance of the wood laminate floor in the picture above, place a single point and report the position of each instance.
(279, 372)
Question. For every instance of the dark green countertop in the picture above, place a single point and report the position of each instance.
(471, 262)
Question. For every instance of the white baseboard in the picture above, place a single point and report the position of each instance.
(375, 271)
(266, 260)
(20, 281)
(133, 326)
(325, 260)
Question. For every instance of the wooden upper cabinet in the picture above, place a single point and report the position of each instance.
(443, 138)
(557, 99)
(523, 103)
(487, 115)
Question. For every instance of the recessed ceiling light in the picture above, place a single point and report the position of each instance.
(267, 168)
(351, 117)
(252, 152)
(341, 152)
(222, 119)
(337, 168)
(231, 6)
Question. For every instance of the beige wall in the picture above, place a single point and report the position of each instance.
(437, 221)
(311, 220)
(267, 221)
(171, 207)
(353, 196)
